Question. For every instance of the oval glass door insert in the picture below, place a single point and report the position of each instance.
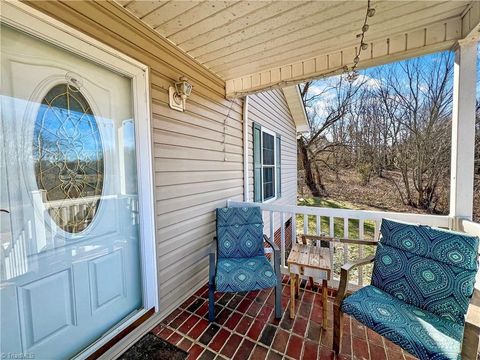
(68, 157)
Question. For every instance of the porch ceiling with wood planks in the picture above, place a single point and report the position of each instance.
(256, 45)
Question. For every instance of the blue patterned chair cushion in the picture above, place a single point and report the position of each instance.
(419, 332)
(449, 247)
(244, 274)
(239, 232)
(407, 267)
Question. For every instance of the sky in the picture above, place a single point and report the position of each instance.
(369, 76)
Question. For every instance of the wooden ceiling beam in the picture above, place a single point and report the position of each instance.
(471, 23)
(438, 36)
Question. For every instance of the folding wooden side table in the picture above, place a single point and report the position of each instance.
(312, 261)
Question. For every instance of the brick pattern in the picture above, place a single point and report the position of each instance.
(246, 328)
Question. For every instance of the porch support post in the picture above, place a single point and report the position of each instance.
(463, 132)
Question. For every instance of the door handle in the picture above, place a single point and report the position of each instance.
(5, 211)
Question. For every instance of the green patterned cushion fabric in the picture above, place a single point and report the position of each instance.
(239, 232)
(431, 285)
(449, 247)
(421, 333)
(407, 267)
(244, 274)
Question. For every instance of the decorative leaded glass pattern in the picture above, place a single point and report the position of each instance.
(68, 156)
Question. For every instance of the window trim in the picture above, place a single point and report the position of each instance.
(278, 165)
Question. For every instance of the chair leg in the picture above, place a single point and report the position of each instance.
(211, 303)
(211, 288)
(337, 328)
(298, 280)
(293, 286)
(278, 287)
(325, 303)
(278, 300)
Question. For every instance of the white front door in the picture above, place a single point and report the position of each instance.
(70, 254)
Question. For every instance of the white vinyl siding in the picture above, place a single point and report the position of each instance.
(270, 111)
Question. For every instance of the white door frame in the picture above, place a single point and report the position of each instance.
(33, 22)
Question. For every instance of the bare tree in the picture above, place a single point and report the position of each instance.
(395, 122)
(418, 98)
(336, 96)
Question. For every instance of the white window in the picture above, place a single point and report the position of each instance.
(268, 164)
(267, 171)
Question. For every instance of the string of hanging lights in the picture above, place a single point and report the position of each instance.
(352, 72)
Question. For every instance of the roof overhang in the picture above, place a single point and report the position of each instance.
(297, 109)
(260, 45)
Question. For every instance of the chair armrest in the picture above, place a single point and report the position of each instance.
(471, 333)
(344, 275)
(341, 240)
(353, 264)
(276, 256)
(271, 243)
(473, 312)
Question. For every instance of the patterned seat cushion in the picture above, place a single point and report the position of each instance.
(419, 332)
(239, 232)
(430, 285)
(244, 274)
(430, 268)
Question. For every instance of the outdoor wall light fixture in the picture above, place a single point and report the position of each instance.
(179, 93)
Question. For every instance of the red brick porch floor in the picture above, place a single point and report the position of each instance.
(246, 328)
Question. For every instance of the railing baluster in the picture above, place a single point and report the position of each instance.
(65, 215)
(272, 227)
(331, 230)
(24, 256)
(332, 227)
(8, 267)
(15, 254)
(294, 228)
(377, 230)
(361, 229)
(346, 236)
(305, 224)
(272, 236)
(74, 214)
(11, 260)
(282, 237)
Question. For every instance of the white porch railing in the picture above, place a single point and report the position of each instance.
(40, 225)
(339, 224)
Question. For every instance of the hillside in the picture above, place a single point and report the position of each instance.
(380, 193)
